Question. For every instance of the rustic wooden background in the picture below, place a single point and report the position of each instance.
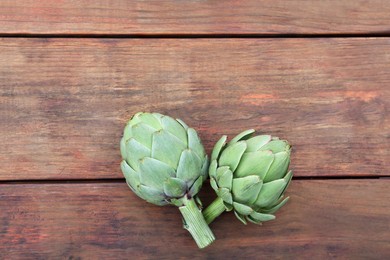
(72, 73)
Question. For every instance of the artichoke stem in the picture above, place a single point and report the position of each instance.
(195, 223)
(215, 209)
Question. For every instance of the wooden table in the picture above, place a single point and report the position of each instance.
(72, 73)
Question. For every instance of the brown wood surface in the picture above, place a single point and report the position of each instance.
(194, 17)
(64, 102)
(324, 219)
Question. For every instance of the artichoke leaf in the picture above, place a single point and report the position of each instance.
(270, 192)
(242, 209)
(204, 171)
(246, 190)
(228, 207)
(240, 217)
(198, 201)
(278, 167)
(195, 144)
(153, 173)
(127, 133)
(123, 148)
(221, 170)
(257, 163)
(213, 169)
(231, 155)
(167, 148)
(135, 151)
(255, 143)
(213, 184)
(287, 179)
(189, 166)
(225, 195)
(276, 146)
(250, 219)
(175, 202)
(261, 217)
(242, 136)
(174, 187)
(135, 119)
(131, 176)
(218, 148)
(276, 207)
(185, 126)
(175, 128)
(152, 195)
(143, 134)
(149, 119)
(196, 186)
(224, 177)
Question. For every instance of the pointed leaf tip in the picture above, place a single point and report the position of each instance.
(270, 193)
(242, 209)
(194, 143)
(242, 136)
(255, 143)
(150, 120)
(195, 188)
(218, 147)
(278, 167)
(240, 217)
(261, 217)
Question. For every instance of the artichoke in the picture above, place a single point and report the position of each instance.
(164, 162)
(249, 175)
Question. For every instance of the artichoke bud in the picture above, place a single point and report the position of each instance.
(250, 174)
(163, 160)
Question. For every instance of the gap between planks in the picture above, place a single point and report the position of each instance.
(195, 36)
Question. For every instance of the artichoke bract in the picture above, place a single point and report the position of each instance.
(164, 162)
(250, 176)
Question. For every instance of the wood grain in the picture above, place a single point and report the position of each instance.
(194, 17)
(64, 102)
(324, 219)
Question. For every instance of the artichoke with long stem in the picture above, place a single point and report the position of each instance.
(164, 162)
(249, 176)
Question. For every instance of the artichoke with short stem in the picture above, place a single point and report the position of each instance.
(250, 176)
(164, 162)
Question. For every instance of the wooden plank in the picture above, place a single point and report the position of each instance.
(324, 219)
(64, 102)
(194, 17)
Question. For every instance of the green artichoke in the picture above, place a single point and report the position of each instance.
(249, 175)
(164, 162)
